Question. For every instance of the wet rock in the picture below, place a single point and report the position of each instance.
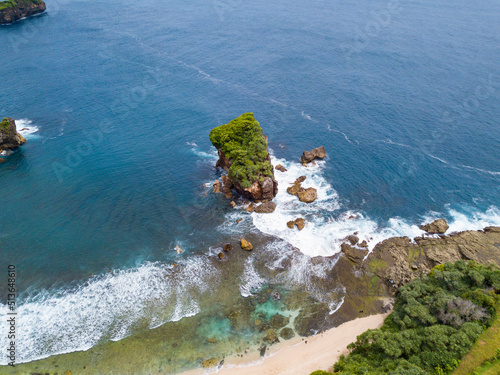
(217, 186)
(287, 333)
(308, 195)
(212, 362)
(2, 160)
(262, 350)
(233, 204)
(239, 220)
(299, 222)
(246, 245)
(221, 255)
(9, 137)
(212, 340)
(178, 249)
(353, 239)
(266, 207)
(228, 247)
(228, 195)
(251, 207)
(278, 321)
(228, 183)
(258, 322)
(352, 253)
(271, 336)
(317, 153)
(438, 226)
(363, 244)
(280, 168)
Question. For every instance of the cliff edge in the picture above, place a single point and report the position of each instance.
(14, 10)
(9, 137)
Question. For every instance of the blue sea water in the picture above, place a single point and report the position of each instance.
(403, 95)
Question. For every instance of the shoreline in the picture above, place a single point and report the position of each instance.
(300, 355)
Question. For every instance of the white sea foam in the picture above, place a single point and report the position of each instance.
(26, 128)
(251, 281)
(108, 306)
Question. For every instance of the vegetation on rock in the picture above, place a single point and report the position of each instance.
(14, 3)
(435, 322)
(4, 125)
(243, 142)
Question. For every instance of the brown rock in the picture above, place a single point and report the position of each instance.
(217, 186)
(239, 220)
(233, 204)
(221, 255)
(210, 362)
(363, 244)
(290, 224)
(212, 340)
(9, 137)
(280, 168)
(266, 207)
(300, 223)
(228, 195)
(228, 183)
(352, 253)
(228, 247)
(317, 153)
(308, 195)
(353, 239)
(251, 207)
(437, 226)
(246, 245)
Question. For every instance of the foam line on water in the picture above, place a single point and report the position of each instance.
(109, 306)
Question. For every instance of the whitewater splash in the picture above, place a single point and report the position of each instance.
(110, 306)
(26, 128)
(328, 222)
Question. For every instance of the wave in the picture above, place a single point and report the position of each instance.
(251, 281)
(109, 306)
(26, 128)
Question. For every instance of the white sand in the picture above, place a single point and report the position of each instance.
(296, 357)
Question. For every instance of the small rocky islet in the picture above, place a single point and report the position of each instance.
(10, 139)
(15, 10)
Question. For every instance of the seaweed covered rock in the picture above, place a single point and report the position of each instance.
(9, 137)
(243, 153)
(14, 10)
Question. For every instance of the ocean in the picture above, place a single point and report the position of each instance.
(116, 100)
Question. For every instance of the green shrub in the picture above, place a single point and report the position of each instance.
(435, 322)
(243, 142)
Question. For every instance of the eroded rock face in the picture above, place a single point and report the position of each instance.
(317, 153)
(21, 9)
(9, 137)
(266, 207)
(398, 260)
(438, 226)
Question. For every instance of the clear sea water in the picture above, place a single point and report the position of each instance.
(118, 99)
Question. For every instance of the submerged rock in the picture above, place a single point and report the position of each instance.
(9, 137)
(287, 333)
(246, 245)
(438, 226)
(309, 156)
(14, 10)
(244, 155)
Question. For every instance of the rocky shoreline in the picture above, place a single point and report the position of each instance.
(14, 10)
(9, 137)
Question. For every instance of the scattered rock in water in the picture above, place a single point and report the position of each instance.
(239, 220)
(287, 333)
(363, 244)
(246, 245)
(228, 195)
(353, 239)
(212, 340)
(299, 222)
(212, 362)
(276, 296)
(279, 321)
(178, 249)
(221, 255)
(280, 168)
(309, 156)
(233, 204)
(258, 322)
(308, 195)
(251, 207)
(271, 336)
(228, 247)
(266, 207)
(2, 160)
(217, 186)
(9, 137)
(296, 187)
(438, 226)
(174, 265)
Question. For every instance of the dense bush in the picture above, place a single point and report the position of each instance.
(435, 322)
(243, 141)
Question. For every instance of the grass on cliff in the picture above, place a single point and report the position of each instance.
(484, 357)
(14, 3)
(242, 140)
(4, 125)
(435, 323)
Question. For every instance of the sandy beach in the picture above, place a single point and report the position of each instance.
(299, 356)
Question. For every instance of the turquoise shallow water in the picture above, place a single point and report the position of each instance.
(404, 97)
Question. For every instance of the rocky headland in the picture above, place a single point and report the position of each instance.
(9, 137)
(243, 154)
(14, 10)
